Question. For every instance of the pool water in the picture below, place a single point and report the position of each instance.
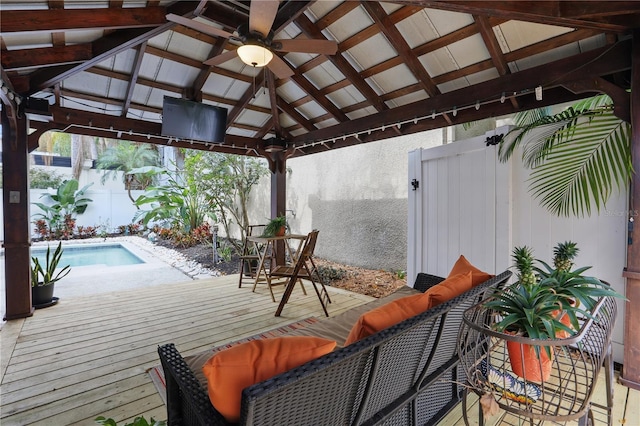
(85, 255)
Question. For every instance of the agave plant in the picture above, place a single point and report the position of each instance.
(577, 157)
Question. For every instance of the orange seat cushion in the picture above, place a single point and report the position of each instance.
(387, 315)
(401, 309)
(453, 286)
(462, 266)
(230, 371)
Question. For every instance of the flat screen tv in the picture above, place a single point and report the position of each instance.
(193, 120)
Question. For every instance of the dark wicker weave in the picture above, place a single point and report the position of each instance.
(404, 375)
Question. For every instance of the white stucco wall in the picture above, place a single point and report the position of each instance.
(355, 196)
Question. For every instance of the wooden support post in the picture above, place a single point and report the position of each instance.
(279, 195)
(631, 369)
(15, 179)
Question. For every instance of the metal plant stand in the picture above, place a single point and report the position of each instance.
(575, 365)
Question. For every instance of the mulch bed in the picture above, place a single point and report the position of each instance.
(370, 282)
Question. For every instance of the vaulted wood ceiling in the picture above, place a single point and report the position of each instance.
(401, 66)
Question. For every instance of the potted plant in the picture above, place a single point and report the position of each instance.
(527, 310)
(276, 227)
(544, 304)
(576, 293)
(43, 279)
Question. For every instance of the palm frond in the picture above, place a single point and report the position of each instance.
(588, 160)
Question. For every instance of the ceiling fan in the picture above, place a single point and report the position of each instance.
(257, 45)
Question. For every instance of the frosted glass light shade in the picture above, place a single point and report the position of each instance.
(254, 55)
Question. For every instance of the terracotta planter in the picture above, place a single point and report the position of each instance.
(281, 232)
(564, 319)
(527, 364)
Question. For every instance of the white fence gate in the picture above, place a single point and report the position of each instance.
(467, 202)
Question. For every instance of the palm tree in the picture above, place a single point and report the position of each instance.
(124, 157)
(577, 157)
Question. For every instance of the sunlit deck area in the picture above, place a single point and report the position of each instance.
(88, 356)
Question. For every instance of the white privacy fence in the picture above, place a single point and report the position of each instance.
(467, 202)
(109, 208)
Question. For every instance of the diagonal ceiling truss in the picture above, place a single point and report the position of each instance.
(401, 66)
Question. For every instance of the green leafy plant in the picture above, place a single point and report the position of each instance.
(577, 157)
(48, 273)
(67, 202)
(138, 421)
(177, 202)
(130, 158)
(526, 308)
(275, 226)
(43, 179)
(226, 182)
(225, 253)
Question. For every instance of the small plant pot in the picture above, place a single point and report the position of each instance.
(526, 363)
(281, 232)
(42, 294)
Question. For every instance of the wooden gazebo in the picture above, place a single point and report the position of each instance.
(342, 73)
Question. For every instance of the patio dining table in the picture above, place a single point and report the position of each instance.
(266, 248)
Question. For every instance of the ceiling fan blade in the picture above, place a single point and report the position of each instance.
(262, 13)
(322, 47)
(221, 58)
(280, 68)
(198, 26)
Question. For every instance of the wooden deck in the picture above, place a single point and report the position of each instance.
(88, 356)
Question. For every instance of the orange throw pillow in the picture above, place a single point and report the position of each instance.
(451, 287)
(387, 315)
(230, 371)
(462, 266)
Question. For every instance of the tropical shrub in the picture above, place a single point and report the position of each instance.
(176, 203)
(59, 217)
(577, 157)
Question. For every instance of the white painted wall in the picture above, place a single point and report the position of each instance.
(111, 205)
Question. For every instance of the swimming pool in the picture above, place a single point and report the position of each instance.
(90, 254)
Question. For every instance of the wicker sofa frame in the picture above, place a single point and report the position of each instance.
(405, 375)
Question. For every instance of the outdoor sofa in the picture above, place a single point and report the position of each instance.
(406, 374)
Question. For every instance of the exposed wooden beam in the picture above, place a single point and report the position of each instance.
(342, 64)
(398, 42)
(45, 56)
(175, 57)
(603, 61)
(203, 75)
(273, 96)
(542, 12)
(141, 81)
(288, 13)
(246, 98)
(134, 78)
(294, 114)
(492, 45)
(78, 19)
(319, 98)
(423, 49)
(66, 93)
(103, 48)
(77, 121)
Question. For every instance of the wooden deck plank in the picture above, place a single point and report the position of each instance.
(88, 356)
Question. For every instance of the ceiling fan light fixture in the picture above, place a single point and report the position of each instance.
(255, 55)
